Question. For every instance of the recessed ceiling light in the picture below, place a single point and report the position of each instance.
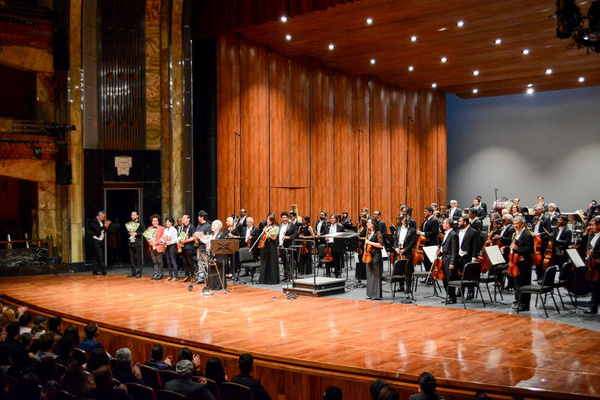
(369, 21)
(283, 18)
(476, 72)
(530, 85)
(475, 91)
(498, 41)
(581, 79)
(530, 91)
(526, 51)
(443, 59)
(331, 46)
(372, 61)
(548, 71)
(442, 29)
(288, 37)
(413, 38)
(434, 85)
(460, 24)
(411, 68)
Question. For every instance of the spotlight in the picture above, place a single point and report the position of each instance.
(288, 37)
(283, 18)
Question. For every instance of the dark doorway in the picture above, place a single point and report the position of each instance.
(119, 203)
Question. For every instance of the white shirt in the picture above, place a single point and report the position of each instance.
(248, 232)
(170, 235)
(560, 231)
(102, 234)
(332, 229)
(446, 235)
(282, 231)
(452, 211)
(461, 236)
(594, 240)
(319, 224)
(402, 235)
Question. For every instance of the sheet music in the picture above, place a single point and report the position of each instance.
(384, 254)
(494, 254)
(575, 258)
(431, 252)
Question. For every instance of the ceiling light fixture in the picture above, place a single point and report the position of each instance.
(460, 24)
(411, 68)
(288, 37)
(283, 18)
(475, 91)
(369, 21)
(372, 61)
(331, 46)
(443, 59)
(530, 91)
(476, 72)
(498, 41)
(581, 79)
(548, 71)
(413, 38)
(525, 51)
(530, 85)
(569, 25)
(434, 85)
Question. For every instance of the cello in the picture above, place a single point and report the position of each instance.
(549, 256)
(482, 258)
(418, 250)
(438, 269)
(513, 259)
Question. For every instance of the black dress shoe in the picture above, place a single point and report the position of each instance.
(96, 273)
(523, 307)
(104, 273)
(470, 296)
(138, 276)
(591, 310)
(130, 275)
(449, 301)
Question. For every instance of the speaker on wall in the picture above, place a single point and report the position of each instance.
(63, 174)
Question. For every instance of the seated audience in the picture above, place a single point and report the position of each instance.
(214, 371)
(45, 344)
(124, 371)
(65, 352)
(481, 396)
(54, 325)
(376, 388)
(25, 323)
(157, 362)
(98, 358)
(388, 393)
(37, 329)
(47, 370)
(27, 387)
(5, 361)
(426, 388)
(185, 385)
(90, 343)
(12, 336)
(186, 354)
(75, 381)
(104, 389)
(332, 393)
(245, 364)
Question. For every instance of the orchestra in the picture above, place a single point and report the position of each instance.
(529, 238)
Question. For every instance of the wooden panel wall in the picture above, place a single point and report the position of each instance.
(322, 139)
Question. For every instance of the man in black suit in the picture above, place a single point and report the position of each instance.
(97, 231)
(454, 211)
(382, 226)
(468, 247)
(322, 226)
(405, 238)
(449, 252)
(522, 245)
(242, 220)
(593, 254)
(185, 385)
(335, 226)
(479, 210)
(288, 231)
(542, 228)
(246, 363)
(474, 220)
(188, 249)
(135, 244)
(429, 229)
(561, 240)
(505, 238)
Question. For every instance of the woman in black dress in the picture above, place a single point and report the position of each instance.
(374, 268)
(305, 260)
(361, 272)
(269, 263)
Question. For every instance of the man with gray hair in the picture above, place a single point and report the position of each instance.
(123, 371)
(185, 385)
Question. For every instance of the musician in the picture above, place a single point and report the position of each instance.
(294, 219)
(374, 269)
(335, 226)
(454, 212)
(405, 239)
(241, 222)
(552, 215)
(382, 226)
(592, 211)
(479, 211)
(216, 270)
(169, 240)
(540, 201)
(187, 247)
(231, 232)
(468, 247)
(522, 210)
(429, 229)
(135, 228)
(561, 239)
(96, 229)
(347, 221)
(306, 232)
(361, 272)
(287, 233)
(482, 204)
(474, 220)
(541, 229)
(506, 237)
(523, 245)
(449, 252)
(322, 226)
(269, 264)
(592, 241)
(405, 210)
(156, 250)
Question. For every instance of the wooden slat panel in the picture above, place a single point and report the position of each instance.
(300, 124)
(399, 144)
(360, 111)
(343, 143)
(442, 153)
(429, 156)
(279, 113)
(414, 154)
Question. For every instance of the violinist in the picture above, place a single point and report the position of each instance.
(552, 215)
(505, 239)
(249, 233)
(405, 210)
(541, 229)
(454, 212)
(468, 247)
(347, 221)
(232, 232)
(522, 244)
(429, 229)
(374, 239)
(479, 210)
(361, 272)
(449, 252)
(592, 237)
(305, 260)
(405, 238)
(561, 240)
(241, 222)
(382, 226)
(287, 233)
(338, 256)
(269, 264)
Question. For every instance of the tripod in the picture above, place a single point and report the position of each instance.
(289, 268)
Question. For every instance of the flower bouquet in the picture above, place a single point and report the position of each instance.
(132, 227)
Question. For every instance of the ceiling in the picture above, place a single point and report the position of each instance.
(503, 68)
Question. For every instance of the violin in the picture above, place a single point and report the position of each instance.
(513, 260)
(359, 249)
(263, 240)
(418, 250)
(303, 249)
(438, 269)
(367, 254)
(328, 257)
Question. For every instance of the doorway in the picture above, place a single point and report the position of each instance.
(119, 203)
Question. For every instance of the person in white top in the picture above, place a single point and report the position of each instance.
(169, 239)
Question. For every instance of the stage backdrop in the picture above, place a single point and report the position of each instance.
(295, 131)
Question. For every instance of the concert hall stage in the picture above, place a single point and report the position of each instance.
(302, 346)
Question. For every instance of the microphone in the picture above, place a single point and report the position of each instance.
(409, 117)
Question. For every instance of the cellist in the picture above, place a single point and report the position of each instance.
(449, 252)
(522, 245)
(405, 238)
(592, 237)
(542, 228)
(561, 240)
(429, 229)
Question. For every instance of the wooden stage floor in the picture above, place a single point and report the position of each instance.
(481, 350)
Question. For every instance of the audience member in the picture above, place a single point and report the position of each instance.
(75, 381)
(388, 393)
(5, 361)
(157, 362)
(8, 316)
(12, 336)
(186, 354)
(481, 396)
(25, 323)
(54, 325)
(21, 363)
(98, 358)
(426, 388)
(245, 364)
(26, 341)
(73, 333)
(37, 329)
(47, 370)
(332, 393)
(103, 379)
(65, 352)
(45, 345)
(214, 371)
(90, 343)
(376, 387)
(185, 385)
(124, 371)
(27, 387)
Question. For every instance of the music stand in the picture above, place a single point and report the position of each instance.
(223, 247)
(577, 263)
(496, 262)
(344, 242)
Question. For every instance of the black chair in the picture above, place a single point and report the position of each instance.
(163, 394)
(80, 355)
(166, 376)
(247, 261)
(322, 263)
(141, 392)
(546, 287)
(151, 377)
(562, 281)
(213, 388)
(398, 275)
(234, 391)
(471, 277)
(492, 277)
